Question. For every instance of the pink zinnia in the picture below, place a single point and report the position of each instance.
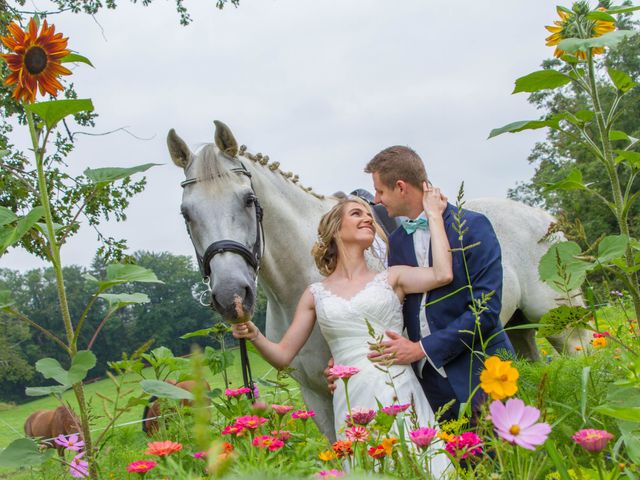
(303, 414)
(515, 422)
(343, 371)
(78, 468)
(232, 430)
(394, 410)
(360, 416)
(265, 441)
(283, 435)
(162, 449)
(592, 440)
(422, 437)
(71, 442)
(330, 473)
(281, 409)
(464, 445)
(236, 392)
(250, 421)
(199, 454)
(357, 434)
(141, 466)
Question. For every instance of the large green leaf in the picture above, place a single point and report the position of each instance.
(630, 432)
(601, 16)
(560, 318)
(610, 39)
(552, 122)
(630, 158)
(23, 225)
(622, 413)
(612, 246)
(622, 9)
(165, 390)
(124, 273)
(54, 111)
(6, 299)
(541, 80)
(23, 452)
(76, 58)
(42, 391)
(121, 299)
(621, 80)
(7, 216)
(51, 368)
(573, 181)
(111, 174)
(618, 135)
(565, 254)
(82, 362)
(205, 332)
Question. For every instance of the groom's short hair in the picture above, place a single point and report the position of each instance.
(398, 163)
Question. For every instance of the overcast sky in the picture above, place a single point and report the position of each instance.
(319, 85)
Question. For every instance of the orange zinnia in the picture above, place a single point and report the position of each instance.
(162, 449)
(35, 61)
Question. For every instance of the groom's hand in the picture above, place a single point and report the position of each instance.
(398, 350)
(331, 379)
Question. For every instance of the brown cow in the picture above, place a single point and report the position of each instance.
(48, 424)
(153, 408)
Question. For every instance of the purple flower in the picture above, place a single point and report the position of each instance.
(78, 467)
(360, 416)
(72, 442)
(515, 422)
(592, 440)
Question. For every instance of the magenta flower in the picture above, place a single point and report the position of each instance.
(71, 442)
(78, 468)
(199, 454)
(236, 392)
(464, 445)
(343, 372)
(592, 440)
(250, 421)
(141, 466)
(393, 410)
(422, 437)
(268, 442)
(282, 409)
(357, 434)
(232, 430)
(360, 416)
(330, 474)
(303, 414)
(283, 435)
(515, 422)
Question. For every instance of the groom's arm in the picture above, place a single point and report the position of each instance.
(484, 263)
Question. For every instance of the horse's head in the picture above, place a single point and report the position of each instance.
(223, 218)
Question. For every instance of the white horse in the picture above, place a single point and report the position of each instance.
(218, 203)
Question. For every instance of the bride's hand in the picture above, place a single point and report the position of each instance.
(433, 201)
(246, 330)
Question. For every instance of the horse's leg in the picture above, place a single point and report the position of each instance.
(523, 340)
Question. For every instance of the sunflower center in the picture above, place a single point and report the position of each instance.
(35, 60)
(514, 430)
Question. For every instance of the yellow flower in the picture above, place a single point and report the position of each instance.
(572, 25)
(578, 348)
(446, 437)
(388, 444)
(327, 455)
(599, 342)
(499, 378)
(35, 60)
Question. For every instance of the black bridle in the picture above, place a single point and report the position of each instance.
(252, 257)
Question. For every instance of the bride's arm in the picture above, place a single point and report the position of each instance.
(281, 354)
(422, 279)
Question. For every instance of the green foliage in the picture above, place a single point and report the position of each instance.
(560, 318)
(165, 390)
(52, 112)
(23, 452)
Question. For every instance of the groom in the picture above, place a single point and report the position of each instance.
(445, 343)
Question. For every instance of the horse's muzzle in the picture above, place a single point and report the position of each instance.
(235, 302)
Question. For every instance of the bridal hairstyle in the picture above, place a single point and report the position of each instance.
(398, 163)
(327, 247)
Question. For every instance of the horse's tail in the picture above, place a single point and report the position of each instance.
(145, 412)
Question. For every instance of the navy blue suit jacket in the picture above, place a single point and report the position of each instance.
(451, 322)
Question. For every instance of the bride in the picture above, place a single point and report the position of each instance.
(352, 295)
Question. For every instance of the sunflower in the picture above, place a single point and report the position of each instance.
(571, 25)
(35, 60)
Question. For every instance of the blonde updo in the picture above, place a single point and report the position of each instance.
(327, 247)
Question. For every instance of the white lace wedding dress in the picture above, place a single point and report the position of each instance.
(342, 322)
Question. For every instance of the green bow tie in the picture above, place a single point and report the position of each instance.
(410, 226)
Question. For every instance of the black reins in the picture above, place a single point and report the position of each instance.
(252, 257)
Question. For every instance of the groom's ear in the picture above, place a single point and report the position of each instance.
(401, 185)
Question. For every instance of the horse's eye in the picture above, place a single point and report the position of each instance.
(250, 200)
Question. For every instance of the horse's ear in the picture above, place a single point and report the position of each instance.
(179, 151)
(225, 139)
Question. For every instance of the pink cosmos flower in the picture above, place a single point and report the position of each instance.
(281, 409)
(464, 445)
(71, 442)
(199, 454)
(343, 371)
(592, 440)
(268, 442)
(250, 421)
(303, 414)
(236, 392)
(78, 468)
(141, 466)
(393, 410)
(422, 437)
(330, 474)
(515, 422)
(360, 416)
(357, 434)
(283, 435)
(232, 430)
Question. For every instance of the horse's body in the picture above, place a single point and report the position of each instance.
(153, 409)
(48, 424)
(215, 208)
